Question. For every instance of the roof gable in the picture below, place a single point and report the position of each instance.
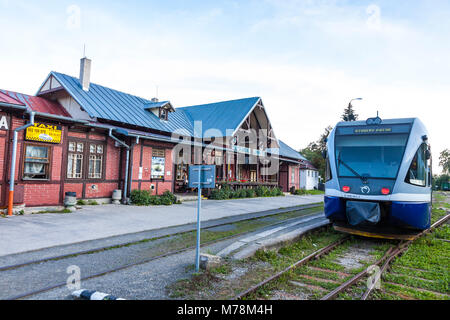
(109, 104)
(222, 116)
(37, 104)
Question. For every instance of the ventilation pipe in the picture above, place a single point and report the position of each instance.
(13, 162)
(124, 132)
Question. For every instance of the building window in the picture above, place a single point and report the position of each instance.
(75, 160)
(253, 176)
(95, 161)
(293, 176)
(163, 114)
(158, 164)
(36, 162)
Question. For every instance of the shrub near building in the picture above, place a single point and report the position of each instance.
(225, 192)
(145, 198)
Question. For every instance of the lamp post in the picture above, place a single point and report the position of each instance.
(349, 114)
(350, 103)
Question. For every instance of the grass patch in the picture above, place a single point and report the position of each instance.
(302, 192)
(426, 258)
(53, 211)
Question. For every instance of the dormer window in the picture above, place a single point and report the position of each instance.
(160, 109)
(163, 114)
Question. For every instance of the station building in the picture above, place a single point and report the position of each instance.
(92, 140)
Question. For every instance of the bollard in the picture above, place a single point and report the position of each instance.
(116, 196)
(70, 200)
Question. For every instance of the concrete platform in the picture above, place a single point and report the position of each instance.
(33, 232)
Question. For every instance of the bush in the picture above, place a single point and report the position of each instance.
(241, 193)
(251, 193)
(276, 192)
(145, 198)
(168, 198)
(141, 197)
(217, 194)
(259, 191)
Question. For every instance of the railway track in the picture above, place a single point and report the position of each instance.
(388, 257)
(125, 266)
(128, 243)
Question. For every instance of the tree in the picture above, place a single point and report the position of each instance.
(349, 114)
(439, 181)
(444, 161)
(313, 152)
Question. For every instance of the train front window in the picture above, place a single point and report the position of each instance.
(371, 156)
(417, 173)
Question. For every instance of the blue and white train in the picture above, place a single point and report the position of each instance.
(378, 178)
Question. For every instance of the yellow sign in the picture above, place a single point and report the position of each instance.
(44, 133)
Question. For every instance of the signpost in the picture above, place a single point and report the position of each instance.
(201, 177)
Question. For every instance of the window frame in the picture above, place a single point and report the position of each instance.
(426, 174)
(48, 164)
(95, 154)
(76, 152)
(86, 157)
(163, 116)
(328, 172)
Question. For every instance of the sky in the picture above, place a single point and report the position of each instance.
(305, 59)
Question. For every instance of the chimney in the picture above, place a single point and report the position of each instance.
(155, 100)
(85, 73)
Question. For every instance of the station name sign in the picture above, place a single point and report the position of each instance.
(44, 133)
(254, 152)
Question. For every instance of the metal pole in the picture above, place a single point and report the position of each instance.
(199, 203)
(13, 163)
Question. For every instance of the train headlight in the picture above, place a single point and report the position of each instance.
(385, 191)
(346, 188)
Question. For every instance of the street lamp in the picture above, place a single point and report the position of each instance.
(350, 103)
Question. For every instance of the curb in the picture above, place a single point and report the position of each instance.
(84, 294)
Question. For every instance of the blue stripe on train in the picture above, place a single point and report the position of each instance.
(334, 209)
(404, 214)
(413, 214)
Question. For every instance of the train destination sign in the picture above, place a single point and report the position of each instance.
(373, 130)
(44, 133)
(380, 129)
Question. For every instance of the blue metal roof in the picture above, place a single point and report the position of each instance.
(288, 152)
(105, 103)
(221, 116)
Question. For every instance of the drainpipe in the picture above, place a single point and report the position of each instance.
(131, 167)
(124, 197)
(13, 162)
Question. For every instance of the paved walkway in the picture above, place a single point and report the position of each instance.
(32, 232)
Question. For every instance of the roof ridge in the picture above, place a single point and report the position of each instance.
(224, 101)
(146, 101)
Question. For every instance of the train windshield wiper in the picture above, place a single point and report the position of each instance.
(363, 179)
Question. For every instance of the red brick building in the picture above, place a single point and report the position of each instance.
(91, 140)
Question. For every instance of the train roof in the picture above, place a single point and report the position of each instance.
(384, 121)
